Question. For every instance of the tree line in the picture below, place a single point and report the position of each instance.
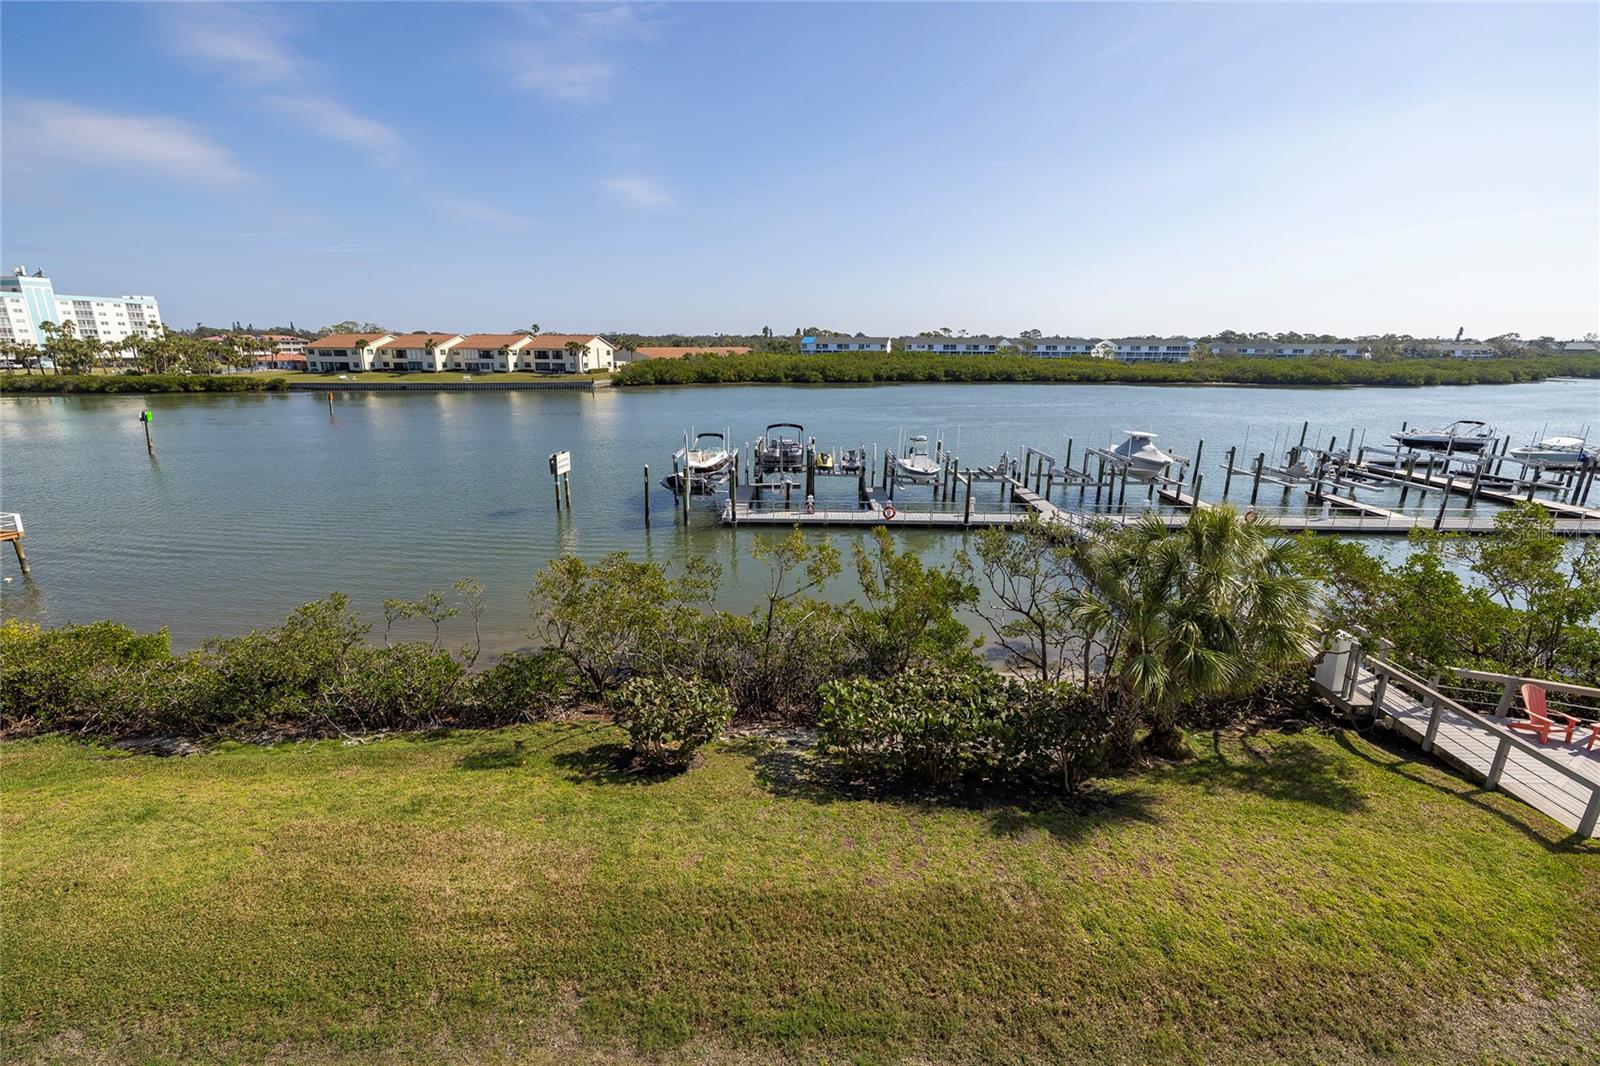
(163, 352)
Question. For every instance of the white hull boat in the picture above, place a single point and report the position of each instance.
(916, 465)
(1557, 453)
(709, 455)
(1143, 458)
(1463, 435)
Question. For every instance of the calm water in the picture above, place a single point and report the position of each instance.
(255, 504)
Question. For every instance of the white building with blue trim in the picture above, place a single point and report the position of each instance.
(28, 301)
(814, 345)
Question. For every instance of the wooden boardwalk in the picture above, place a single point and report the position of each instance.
(1560, 780)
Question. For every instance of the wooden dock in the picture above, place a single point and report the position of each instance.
(1343, 516)
(1464, 486)
(11, 529)
(1559, 779)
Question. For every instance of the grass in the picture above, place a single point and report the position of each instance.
(448, 375)
(511, 896)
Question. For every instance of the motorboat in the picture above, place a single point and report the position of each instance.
(778, 451)
(1143, 459)
(1555, 453)
(708, 455)
(853, 460)
(1462, 435)
(916, 465)
(699, 484)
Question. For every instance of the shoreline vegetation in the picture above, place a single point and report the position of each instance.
(571, 853)
(767, 368)
(878, 367)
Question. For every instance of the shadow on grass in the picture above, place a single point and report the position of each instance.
(1292, 770)
(788, 770)
(1405, 760)
(500, 757)
(610, 763)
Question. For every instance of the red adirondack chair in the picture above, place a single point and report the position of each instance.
(1539, 721)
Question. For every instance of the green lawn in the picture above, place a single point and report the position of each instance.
(510, 896)
(448, 375)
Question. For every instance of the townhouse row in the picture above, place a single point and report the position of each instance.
(550, 353)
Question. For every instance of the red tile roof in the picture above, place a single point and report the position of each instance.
(559, 340)
(418, 340)
(344, 340)
(492, 340)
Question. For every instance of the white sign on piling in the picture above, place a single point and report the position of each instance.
(560, 463)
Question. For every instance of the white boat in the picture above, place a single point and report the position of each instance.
(916, 465)
(1462, 435)
(1557, 453)
(1140, 453)
(708, 455)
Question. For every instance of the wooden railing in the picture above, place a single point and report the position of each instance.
(1437, 703)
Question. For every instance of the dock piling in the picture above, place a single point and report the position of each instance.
(1227, 479)
(1255, 483)
(647, 495)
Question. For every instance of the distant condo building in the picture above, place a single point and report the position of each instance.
(1265, 350)
(1146, 349)
(550, 353)
(28, 301)
(1461, 349)
(956, 345)
(1056, 347)
(814, 345)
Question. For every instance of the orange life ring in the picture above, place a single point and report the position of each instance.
(888, 510)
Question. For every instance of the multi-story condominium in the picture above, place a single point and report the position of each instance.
(1253, 349)
(1055, 347)
(549, 353)
(30, 300)
(813, 345)
(343, 351)
(488, 352)
(955, 345)
(415, 351)
(1146, 349)
(1303, 350)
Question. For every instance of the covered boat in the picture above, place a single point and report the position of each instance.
(778, 451)
(1140, 453)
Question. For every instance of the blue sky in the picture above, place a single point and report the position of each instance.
(1086, 169)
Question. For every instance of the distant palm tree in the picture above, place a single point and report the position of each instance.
(573, 348)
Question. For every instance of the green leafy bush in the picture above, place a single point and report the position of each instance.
(526, 686)
(668, 719)
(948, 729)
(119, 383)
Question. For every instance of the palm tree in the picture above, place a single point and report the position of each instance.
(1210, 609)
(573, 348)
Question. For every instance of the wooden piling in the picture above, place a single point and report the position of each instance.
(566, 482)
(1199, 450)
(22, 556)
(966, 518)
(1255, 483)
(1227, 479)
(647, 495)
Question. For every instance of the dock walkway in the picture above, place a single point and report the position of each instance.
(1560, 780)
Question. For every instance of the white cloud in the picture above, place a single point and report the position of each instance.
(582, 80)
(254, 46)
(561, 50)
(50, 133)
(250, 42)
(471, 210)
(332, 120)
(637, 190)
